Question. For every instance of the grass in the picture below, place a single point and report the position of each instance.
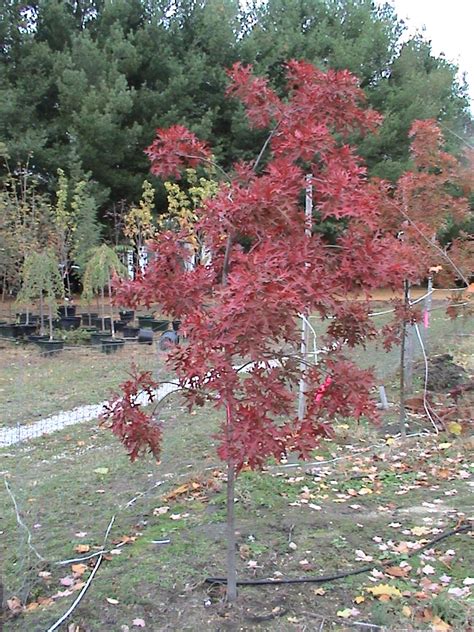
(70, 485)
(33, 386)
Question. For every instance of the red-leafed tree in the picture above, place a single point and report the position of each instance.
(244, 306)
(423, 201)
(428, 197)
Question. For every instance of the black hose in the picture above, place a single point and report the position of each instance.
(329, 578)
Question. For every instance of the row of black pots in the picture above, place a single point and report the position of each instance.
(29, 319)
(13, 330)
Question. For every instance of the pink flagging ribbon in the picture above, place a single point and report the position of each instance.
(426, 319)
(321, 390)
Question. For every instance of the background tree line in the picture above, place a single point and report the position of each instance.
(85, 83)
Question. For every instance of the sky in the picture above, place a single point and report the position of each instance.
(449, 24)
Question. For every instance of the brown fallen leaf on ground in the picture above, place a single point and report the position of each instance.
(82, 548)
(181, 490)
(79, 569)
(14, 605)
(396, 571)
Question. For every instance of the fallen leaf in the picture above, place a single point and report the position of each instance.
(45, 601)
(319, 591)
(455, 428)
(66, 581)
(397, 571)
(428, 570)
(112, 601)
(364, 491)
(182, 489)
(384, 589)
(14, 605)
(61, 593)
(102, 470)
(459, 592)
(138, 623)
(160, 511)
(360, 555)
(79, 569)
(44, 574)
(82, 548)
(359, 599)
(406, 611)
(438, 625)
(420, 531)
(348, 612)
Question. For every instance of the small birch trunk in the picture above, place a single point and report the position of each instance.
(112, 328)
(50, 317)
(41, 310)
(402, 368)
(102, 300)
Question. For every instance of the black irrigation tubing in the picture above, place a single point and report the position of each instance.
(330, 578)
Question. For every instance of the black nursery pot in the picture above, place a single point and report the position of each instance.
(159, 325)
(145, 321)
(23, 331)
(119, 325)
(130, 332)
(37, 337)
(112, 345)
(87, 319)
(70, 322)
(97, 322)
(127, 315)
(145, 336)
(66, 310)
(96, 336)
(23, 317)
(50, 347)
(176, 324)
(6, 330)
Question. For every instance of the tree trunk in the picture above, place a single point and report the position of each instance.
(68, 287)
(50, 322)
(102, 300)
(112, 328)
(402, 368)
(41, 310)
(427, 315)
(305, 333)
(231, 594)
